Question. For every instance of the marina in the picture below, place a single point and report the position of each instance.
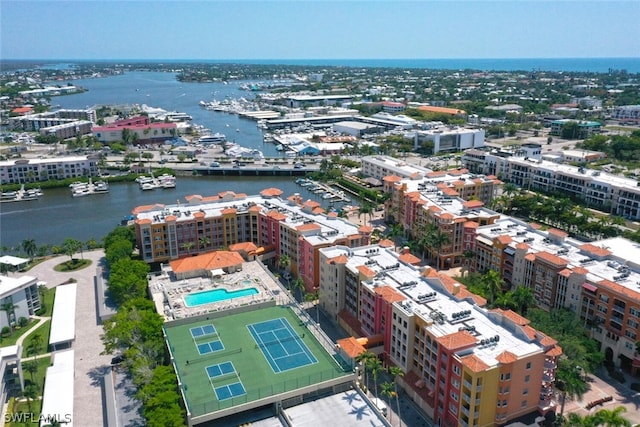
(325, 191)
(151, 183)
(21, 195)
(81, 189)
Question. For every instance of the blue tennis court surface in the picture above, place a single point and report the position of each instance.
(280, 345)
(230, 390)
(210, 347)
(220, 369)
(200, 331)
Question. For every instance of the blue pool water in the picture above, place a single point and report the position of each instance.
(216, 295)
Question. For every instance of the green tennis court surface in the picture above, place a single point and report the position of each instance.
(238, 358)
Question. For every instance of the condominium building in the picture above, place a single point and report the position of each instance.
(599, 281)
(584, 128)
(19, 171)
(291, 227)
(451, 202)
(142, 130)
(463, 364)
(380, 166)
(62, 123)
(21, 293)
(448, 138)
(610, 193)
(627, 114)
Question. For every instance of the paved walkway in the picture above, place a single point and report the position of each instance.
(90, 366)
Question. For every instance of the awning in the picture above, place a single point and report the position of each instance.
(590, 287)
(509, 250)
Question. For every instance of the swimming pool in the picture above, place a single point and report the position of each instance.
(216, 295)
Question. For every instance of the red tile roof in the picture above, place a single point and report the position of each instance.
(474, 363)
(208, 261)
(457, 340)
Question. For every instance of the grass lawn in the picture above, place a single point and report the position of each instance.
(47, 302)
(72, 265)
(36, 405)
(17, 333)
(43, 331)
(31, 416)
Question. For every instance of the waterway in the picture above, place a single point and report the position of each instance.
(56, 215)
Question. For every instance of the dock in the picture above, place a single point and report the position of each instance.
(21, 195)
(81, 189)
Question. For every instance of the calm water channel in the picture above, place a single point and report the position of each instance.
(57, 215)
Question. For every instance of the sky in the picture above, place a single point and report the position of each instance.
(318, 29)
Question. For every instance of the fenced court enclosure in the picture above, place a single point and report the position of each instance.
(248, 359)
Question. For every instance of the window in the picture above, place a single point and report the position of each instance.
(528, 365)
(505, 377)
(526, 379)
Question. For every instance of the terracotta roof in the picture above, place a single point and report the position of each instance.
(595, 250)
(535, 226)
(351, 347)
(548, 341)
(474, 363)
(565, 273)
(146, 208)
(554, 352)
(471, 224)
(513, 316)
(472, 204)
(365, 229)
(522, 245)
(389, 294)
(271, 192)
(580, 270)
(366, 271)
(243, 246)
(208, 261)
(529, 331)
(506, 357)
(505, 239)
(446, 215)
(409, 258)
(143, 221)
(229, 211)
(386, 243)
(555, 260)
(620, 290)
(20, 110)
(308, 227)
(198, 214)
(276, 215)
(392, 178)
(340, 259)
(436, 174)
(530, 257)
(457, 340)
(444, 110)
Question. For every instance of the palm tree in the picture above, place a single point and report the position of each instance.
(204, 241)
(612, 417)
(9, 308)
(298, 284)
(570, 382)
(524, 298)
(387, 389)
(493, 283)
(375, 366)
(469, 256)
(29, 247)
(363, 358)
(365, 209)
(284, 262)
(31, 366)
(396, 373)
(187, 246)
(30, 393)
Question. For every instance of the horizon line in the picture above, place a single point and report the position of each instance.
(316, 59)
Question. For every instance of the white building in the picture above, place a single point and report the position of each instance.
(22, 293)
(450, 138)
(19, 171)
(380, 166)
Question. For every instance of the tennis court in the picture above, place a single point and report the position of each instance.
(225, 391)
(210, 347)
(281, 345)
(214, 379)
(201, 331)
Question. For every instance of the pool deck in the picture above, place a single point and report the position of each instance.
(168, 294)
